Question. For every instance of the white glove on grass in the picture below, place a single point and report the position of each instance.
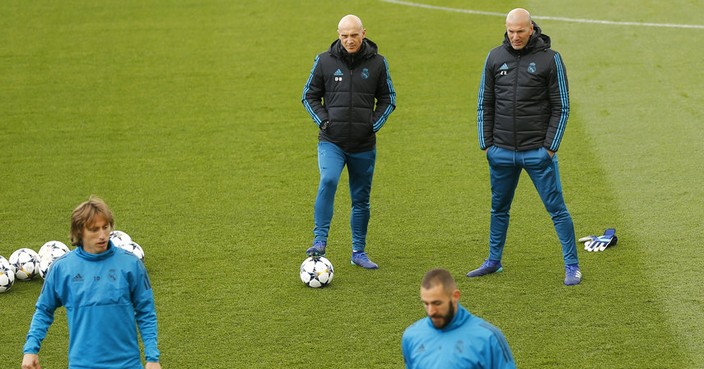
(600, 243)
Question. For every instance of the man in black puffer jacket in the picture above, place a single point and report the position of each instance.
(521, 117)
(349, 95)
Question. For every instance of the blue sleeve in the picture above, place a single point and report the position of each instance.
(385, 98)
(501, 357)
(485, 106)
(406, 349)
(145, 312)
(48, 301)
(560, 103)
(313, 93)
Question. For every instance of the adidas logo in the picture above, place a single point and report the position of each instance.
(504, 67)
(78, 278)
(338, 73)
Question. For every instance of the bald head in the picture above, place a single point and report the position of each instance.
(519, 28)
(351, 33)
(350, 21)
(518, 15)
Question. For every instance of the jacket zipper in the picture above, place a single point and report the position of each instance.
(349, 105)
(515, 94)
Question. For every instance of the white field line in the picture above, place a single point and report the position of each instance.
(561, 19)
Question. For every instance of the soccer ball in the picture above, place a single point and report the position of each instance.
(7, 275)
(51, 245)
(316, 272)
(26, 263)
(120, 238)
(51, 254)
(134, 248)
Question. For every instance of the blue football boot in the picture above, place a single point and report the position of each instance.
(361, 259)
(317, 250)
(488, 267)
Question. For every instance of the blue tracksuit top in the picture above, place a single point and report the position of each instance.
(106, 296)
(468, 342)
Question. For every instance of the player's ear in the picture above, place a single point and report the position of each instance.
(455, 295)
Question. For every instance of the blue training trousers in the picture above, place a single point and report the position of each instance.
(360, 168)
(505, 168)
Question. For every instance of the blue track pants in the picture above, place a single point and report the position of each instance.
(505, 168)
(360, 168)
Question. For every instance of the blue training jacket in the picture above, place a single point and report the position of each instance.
(468, 342)
(106, 296)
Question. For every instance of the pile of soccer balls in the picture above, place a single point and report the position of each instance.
(25, 264)
(124, 241)
(316, 272)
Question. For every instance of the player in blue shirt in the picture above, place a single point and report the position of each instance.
(107, 295)
(450, 336)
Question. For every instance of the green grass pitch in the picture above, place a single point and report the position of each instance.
(185, 116)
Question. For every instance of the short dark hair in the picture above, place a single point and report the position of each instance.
(440, 277)
(84, 214)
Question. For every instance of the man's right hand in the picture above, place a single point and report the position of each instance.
(31, 361)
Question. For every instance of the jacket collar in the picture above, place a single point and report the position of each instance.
(538, 41)
(367, 50)
(461, 316)
(96, 257)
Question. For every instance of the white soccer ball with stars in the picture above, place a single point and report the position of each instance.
(26, 263)
(316, 272)
(120, 238)
(134, 248)
(49, 256)
(47, 247)
(7, 275)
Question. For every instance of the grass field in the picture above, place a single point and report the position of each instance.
(185, 116)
